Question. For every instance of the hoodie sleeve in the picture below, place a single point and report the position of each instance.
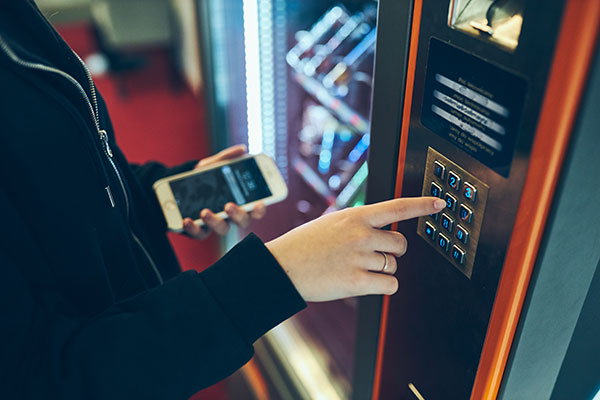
(166, 343)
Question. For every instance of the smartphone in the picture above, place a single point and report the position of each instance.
(243, 181)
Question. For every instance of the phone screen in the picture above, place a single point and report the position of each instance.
(240, 182)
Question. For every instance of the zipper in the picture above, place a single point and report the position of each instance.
(93, 108)
(104, 137)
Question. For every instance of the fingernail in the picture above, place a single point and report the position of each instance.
(204, 214)
(439, 204)
(228, 207)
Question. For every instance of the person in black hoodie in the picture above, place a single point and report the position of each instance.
(93, 302)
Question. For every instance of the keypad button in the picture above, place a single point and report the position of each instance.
(443, 241)
(453, 180)
(458, 254)
(450, 201)
(465, 214)
(436, 190)
(462, 234)
(435, 217)
(447, 222)
(470, 192)
(439, 170)
(430, 230)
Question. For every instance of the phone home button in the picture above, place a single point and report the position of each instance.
(170, 205)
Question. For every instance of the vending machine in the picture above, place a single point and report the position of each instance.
(492, 106)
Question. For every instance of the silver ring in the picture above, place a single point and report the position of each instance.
(385, 265)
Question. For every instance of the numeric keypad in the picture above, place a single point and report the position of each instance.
(455, 231)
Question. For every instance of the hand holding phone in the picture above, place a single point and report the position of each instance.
(246, 181)
(213, 223)
(235, 214)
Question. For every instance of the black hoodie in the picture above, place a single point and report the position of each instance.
(83, 252)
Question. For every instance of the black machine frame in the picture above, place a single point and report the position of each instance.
(415, 317)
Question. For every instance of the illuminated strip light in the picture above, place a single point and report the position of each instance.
(267, 75)
(253, 84)
(280, 79)
(467, 128)
(260, 76)
(473, 95)
(597, 396)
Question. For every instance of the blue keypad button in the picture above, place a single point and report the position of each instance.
(439, 170)
(453, 180)
(457, 254)
(462, 234)
(443, 241)
(435, 217)
(436, 190)
(465, 213)
(470, 192)
(430, 230)
(450, 201)
(447, 222)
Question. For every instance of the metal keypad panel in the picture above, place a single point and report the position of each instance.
(454, 232)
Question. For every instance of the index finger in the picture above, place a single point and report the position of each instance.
(381, 214)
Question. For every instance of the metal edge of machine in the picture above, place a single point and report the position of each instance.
(393, 39)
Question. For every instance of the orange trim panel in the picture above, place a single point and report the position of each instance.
(574, 51)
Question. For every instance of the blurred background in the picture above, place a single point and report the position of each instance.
(290, 78)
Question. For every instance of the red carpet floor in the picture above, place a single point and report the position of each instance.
(154, 122)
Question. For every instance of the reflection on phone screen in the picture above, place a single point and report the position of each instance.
(240, 182)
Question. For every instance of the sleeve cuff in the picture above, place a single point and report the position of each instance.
(252, 288)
